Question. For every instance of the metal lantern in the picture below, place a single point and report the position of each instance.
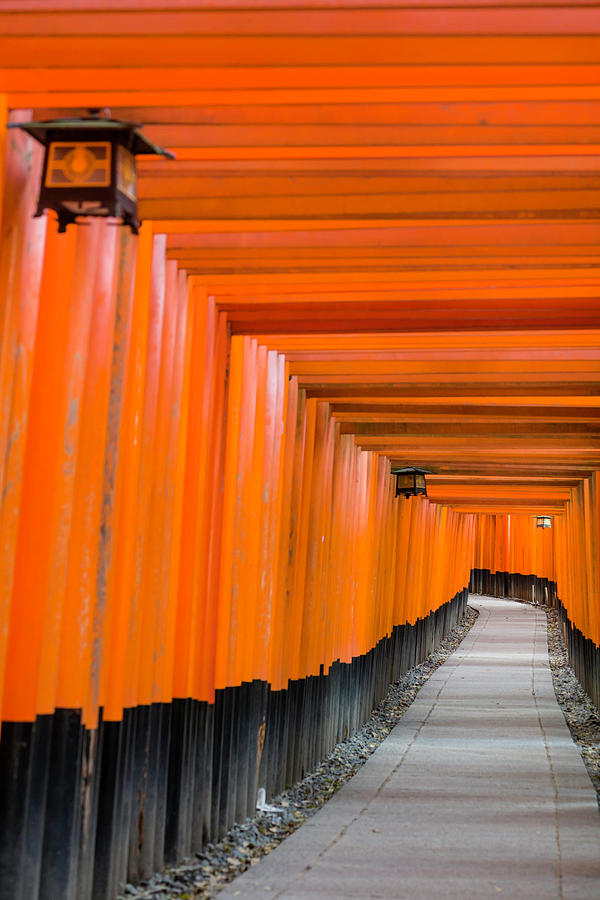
(89, 167)
(544, 522)
(410, 481)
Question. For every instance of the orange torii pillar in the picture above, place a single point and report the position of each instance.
(204, 583)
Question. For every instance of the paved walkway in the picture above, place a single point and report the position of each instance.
(478, 792)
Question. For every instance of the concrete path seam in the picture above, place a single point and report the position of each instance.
(559, 864)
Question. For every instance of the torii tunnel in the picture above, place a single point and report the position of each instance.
(377, 246)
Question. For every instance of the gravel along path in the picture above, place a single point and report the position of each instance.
(580, 713)
(247, 842)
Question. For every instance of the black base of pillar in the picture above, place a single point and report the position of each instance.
(85, 811)
(512, 585)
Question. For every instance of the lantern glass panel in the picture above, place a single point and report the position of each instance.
(420, 481)
(405, 482)
(76, 164)
(126, 174)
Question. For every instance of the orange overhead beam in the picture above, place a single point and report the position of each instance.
(369, 108)
(424, 237)
(132, 92)
(234, 77)
(84, 50)
(566, 19)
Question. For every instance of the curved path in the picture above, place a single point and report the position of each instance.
(478, 792)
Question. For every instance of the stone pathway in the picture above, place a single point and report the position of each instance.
(478, 792)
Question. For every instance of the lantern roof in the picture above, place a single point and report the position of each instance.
(405, 470)
(136, 142)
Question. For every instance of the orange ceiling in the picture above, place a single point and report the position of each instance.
(403, 198)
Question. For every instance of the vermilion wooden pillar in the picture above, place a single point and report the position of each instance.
(21, 256)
